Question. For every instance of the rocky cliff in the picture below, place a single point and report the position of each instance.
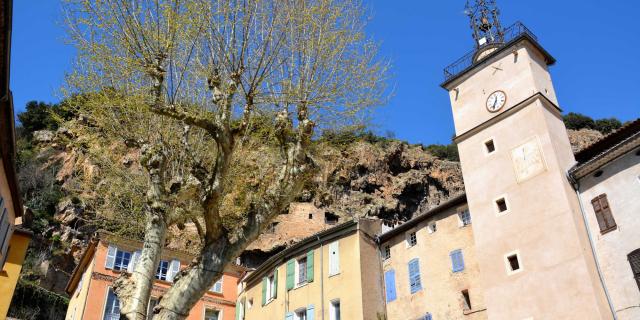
(388, 179)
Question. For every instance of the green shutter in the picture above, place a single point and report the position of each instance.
(265, 282)
(291, 272)
(238, 310)
(310, 266)
(275, 283)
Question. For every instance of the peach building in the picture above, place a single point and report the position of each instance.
(107, 256)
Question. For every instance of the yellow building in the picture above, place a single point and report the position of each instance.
(334, 274)
(430, 266)
(13, 240)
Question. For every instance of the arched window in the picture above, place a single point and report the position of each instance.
(634, 261)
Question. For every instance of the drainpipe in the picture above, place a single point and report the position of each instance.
(576, 187)
(321, 279)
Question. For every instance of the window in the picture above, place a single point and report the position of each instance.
(310, 215)
(489, 146)
(250, 303)
(428, 316)
(466, 300)
(334, 310)
(112, 307)
(153, 302)
(431, 228)
(301, 314)
(269, 287)
(513, 263)
(457, 261)
(390, 285)
(412, 240)
(334, 258)
(464, 218)
(163, 269)
(217, 287)
(211, 314)
(330, 218)
(117, 259)
(414, 276)
(301, 270)
(634, 260)
(603, 213)
(501, 205)
(386, 252)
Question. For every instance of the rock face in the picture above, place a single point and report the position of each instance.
(582, 138)
(390, 180)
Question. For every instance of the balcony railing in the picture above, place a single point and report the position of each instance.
(466, 62)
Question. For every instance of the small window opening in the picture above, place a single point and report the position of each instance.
(330, 218)
(310, 215)
(638, 152)
(598, 173)
(466, 300)
(514, 264)
(412, 240)
(386, 252)
(432, 227)
(501, 204)
(490, 146)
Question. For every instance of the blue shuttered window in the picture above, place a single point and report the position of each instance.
(457, 261)
(288, 316)
(390, 285)
(428, 316)
(414, 276)
(310, 312)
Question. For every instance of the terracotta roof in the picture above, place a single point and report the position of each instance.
(608, 148)
(450, 203)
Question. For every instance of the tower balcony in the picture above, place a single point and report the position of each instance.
(510, 35)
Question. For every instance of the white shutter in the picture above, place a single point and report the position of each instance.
(135, 257)
(334, 258)
(111, 257)
(174, 267)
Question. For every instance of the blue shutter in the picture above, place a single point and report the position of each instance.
(288, 316)
(457, 261)
(414, 276)
(428, 316)
(310, 312)
(390, 285)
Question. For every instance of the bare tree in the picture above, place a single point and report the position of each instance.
(184, 81)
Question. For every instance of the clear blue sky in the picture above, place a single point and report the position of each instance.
(596, 43)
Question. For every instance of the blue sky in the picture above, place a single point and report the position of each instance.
(597, 46)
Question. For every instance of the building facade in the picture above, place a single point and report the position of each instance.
(335, 274)
(532, 247)
(430, 266)
(13, 239)
(106, 257)
(607, 181)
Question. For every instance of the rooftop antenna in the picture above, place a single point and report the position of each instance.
(485, 22)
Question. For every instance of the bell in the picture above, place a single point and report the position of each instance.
(485, 25)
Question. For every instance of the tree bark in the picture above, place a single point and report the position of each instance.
(134, 290)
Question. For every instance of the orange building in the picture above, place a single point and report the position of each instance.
(91, 295)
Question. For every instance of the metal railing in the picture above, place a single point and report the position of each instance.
(514, 31)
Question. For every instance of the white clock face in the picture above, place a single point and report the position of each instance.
(496, 101)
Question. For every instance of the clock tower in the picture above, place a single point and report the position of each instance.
(533, 251)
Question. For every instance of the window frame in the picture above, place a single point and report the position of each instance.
(298, 312)
(159, 270)
(120, 267)
(386, 252)
(635, 255)
(213, 287)
(298, 281)
(462, 222)
(432, 227)
(496, 205)
(411, 238)
(485, 146)
(271, 290)
(415, 281)
(507, 262)
(332, 309)
(209, 308)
